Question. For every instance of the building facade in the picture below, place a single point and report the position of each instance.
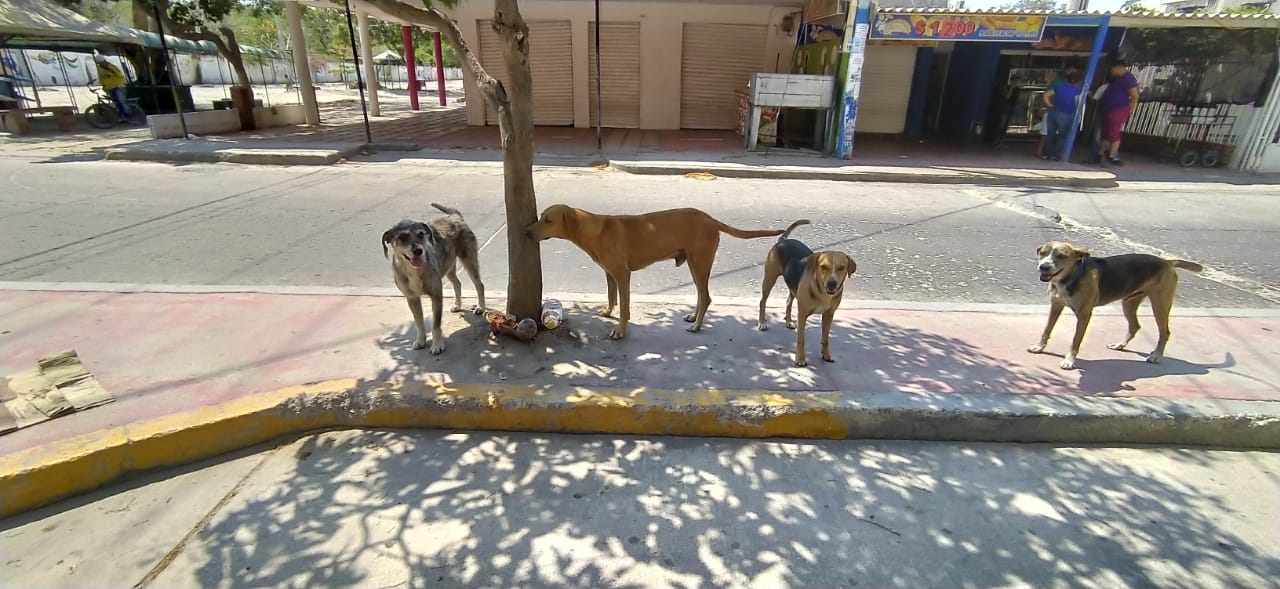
(665, 64)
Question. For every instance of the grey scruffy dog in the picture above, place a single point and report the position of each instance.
(422, 253)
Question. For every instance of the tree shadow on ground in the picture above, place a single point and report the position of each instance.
(872, 355)
(384, 509)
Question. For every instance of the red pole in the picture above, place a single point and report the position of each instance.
(412, 62)
(435, 45)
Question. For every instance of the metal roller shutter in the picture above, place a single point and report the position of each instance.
(886, 89)
(717, 60)
(550, 63)
(620, 86)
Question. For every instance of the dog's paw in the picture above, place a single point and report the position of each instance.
(456, 309)
(1154, 359)
(693, 328)
(436, 349)
(1036, 349)
(791, 325)
(690, 318)
(1068, 363)
(1117, 346)
(606, 312)
(827, 358)
(419, 344)
(617, 333)
(762, 326)
(801, 363)
(477, 310)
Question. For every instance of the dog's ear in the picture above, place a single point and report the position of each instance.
(1043, 250)
(810, 261)
(1082, 251)
(432, 236)
(386, 238)
(853, 266)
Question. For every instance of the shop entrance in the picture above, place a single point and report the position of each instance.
(1017, 110)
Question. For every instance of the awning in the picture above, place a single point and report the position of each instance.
(43, 24)
(388, 56)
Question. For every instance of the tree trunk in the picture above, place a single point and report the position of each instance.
(142, 58)
(242, 95)
(515, 124)
(230, 49)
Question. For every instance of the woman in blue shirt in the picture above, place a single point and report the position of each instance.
(1060, 99)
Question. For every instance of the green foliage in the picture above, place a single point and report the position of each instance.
(327, 35)
(1246, 9)
(256, 22)
(105, 11)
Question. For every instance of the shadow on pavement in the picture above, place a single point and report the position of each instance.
(375, 509)
(871, 356)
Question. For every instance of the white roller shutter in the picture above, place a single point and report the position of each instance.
(717, 60)
(886, 88)
(620, 74)
(550, 63)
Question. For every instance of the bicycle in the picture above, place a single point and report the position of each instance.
(104, 114)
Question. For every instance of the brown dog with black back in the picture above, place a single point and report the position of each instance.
(1080, 281)
(814, 280)
(622, 244)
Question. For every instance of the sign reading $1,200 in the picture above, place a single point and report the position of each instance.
(958, 27)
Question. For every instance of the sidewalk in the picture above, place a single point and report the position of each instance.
(199, 374)
(439, 137)
(375, 509)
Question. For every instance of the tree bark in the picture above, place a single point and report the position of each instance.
(227, 47)
(515, 125)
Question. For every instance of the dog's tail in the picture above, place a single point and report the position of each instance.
(744, 234)
(446, 210)
(1185, 265)
(787, 233)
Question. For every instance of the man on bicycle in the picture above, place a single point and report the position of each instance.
(112, 80)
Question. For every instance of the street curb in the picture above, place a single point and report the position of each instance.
(973, 176)
(257, 157)
(39, 476)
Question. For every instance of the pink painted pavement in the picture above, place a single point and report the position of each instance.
(165, 353)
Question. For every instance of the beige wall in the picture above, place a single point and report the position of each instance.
(661, 31)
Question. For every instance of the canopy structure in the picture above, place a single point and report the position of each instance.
(41, 23)
(44, 24)
(388, 56)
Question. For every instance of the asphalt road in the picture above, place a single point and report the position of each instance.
(304, 226)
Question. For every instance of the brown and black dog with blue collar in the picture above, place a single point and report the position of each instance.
(1078, 280)
(814, 280)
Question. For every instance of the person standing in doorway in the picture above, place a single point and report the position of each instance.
(1118, 101)
(1060, 101)
(112, 81)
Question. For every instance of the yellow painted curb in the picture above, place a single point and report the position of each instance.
(40, 476)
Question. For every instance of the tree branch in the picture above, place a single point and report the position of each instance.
(228, 48)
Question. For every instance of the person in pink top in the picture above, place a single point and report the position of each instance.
(1116, 104)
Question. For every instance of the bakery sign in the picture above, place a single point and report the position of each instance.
(958, 27)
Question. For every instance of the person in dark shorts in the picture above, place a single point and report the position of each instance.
(1114, 107)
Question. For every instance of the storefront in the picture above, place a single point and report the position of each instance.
(981, 76)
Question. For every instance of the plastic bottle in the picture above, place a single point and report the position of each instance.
(552, 314)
